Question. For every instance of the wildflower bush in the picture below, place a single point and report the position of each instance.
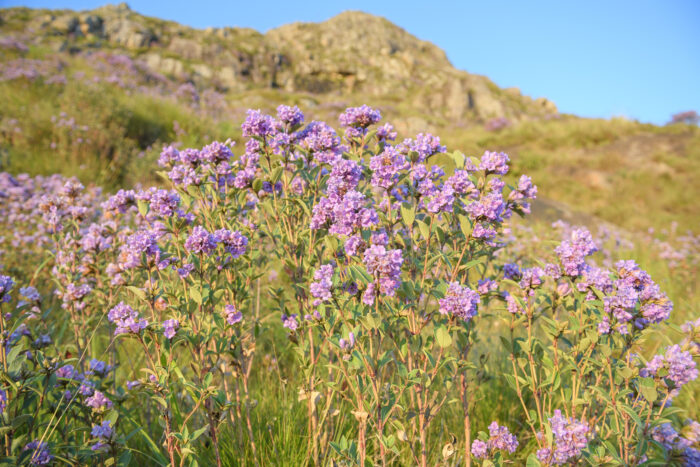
(134, 325)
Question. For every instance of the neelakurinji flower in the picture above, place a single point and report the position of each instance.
(570, 439)
(40, 453)
(170, 327)
(459, 301)
(232, 315)
(99, 402)
(200, 241)
(386, 266)
(126, 319)
(321, 287)
(234, 242)
(499, 438)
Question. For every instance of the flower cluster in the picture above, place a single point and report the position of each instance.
(675, 365)
(570, 439)
(384, 265)
(126, 319)
(499, 438)
(460, 302)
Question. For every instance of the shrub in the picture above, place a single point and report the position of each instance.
(394, 273)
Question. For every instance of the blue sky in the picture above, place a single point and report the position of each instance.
(639, 59)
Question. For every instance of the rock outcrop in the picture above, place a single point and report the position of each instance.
(351, 54)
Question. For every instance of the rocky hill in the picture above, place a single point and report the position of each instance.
(332, 58)
(97, 93)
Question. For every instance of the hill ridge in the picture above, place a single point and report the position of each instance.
(331, 57)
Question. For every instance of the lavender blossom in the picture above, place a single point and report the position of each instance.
(200, 241)
(126, 319)
(99, 402)
(232, 315)
(41, 454)
(234, 242)
(170, 328)
(459, 301)
(321, 287)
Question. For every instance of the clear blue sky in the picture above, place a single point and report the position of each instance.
(639, 59)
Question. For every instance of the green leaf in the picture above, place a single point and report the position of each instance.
(408, 214)
(136, 291)
(465, 225)
(443, 337)
(532, 461)
(360, 274)
(196, 295)
(458, 159)
(424, 229)
(276, 175)
(648, 389)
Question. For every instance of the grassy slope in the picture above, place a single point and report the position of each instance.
(632, 175)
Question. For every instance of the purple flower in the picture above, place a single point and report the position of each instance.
(369, 294)
(524, 190)
(103, 431)
(486, 285)
(170, 328)
(386, 266)
(345, 214)
(501, 438)
(142, 242)
(604, 325)
(132, 384)
(570, 438)
(572, 252)
(99, 402)
(679, 364)
(513, 304)
(322, 141)
(442, 200)
(321, 287)
(462, 184)
(184, 175)
(494, 163)
(290, 116)
(216, 153)
(200, 241)
(3, 401)
(162, 202)
(290, 322)
(386, 167)
(257, 124)
(234, 242)
(349, 343)
(353, 245)
(386, 132)
(482, 230)
(459, 301)
(185, 270)
(99, 368)
(490, 207)
(531, 278)
(6, 284)
(40, 453)
(232, 315)
(345, 175)
(425, 145)
(168, 156)
(359, 117)
(119, 202)
(126, 319)
(30, 293)
(479, 449)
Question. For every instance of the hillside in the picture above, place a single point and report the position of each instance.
(96, 94)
